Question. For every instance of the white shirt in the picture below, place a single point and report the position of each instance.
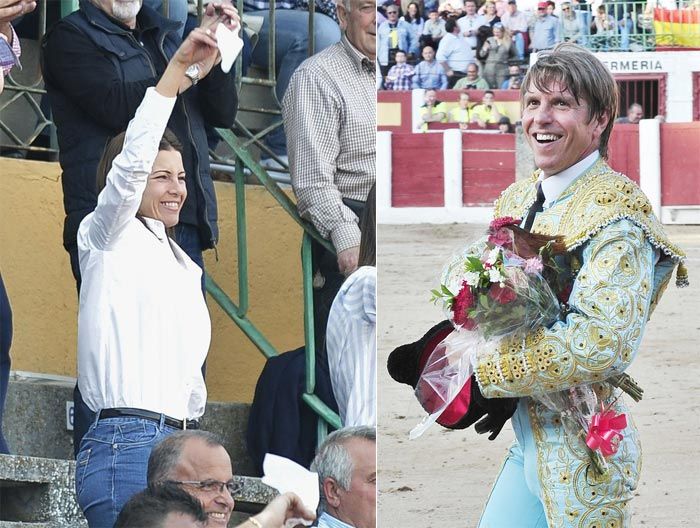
(471, 23)
(143, 325)
(352, 347)
(455, 51)
(554, 185)
(326, 520)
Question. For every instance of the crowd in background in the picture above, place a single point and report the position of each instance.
(440, 40)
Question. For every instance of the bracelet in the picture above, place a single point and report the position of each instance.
(255, 522)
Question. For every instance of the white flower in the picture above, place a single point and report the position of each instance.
(495, 275)
(493, 256)
(472, 278)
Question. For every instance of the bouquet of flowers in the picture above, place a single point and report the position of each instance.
(503, 286)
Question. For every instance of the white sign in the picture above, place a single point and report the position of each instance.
(70, 415)
(633, 65)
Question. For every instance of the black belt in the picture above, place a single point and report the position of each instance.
(123, 412)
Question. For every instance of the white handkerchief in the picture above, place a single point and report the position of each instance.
(285, 475)
(230, 45)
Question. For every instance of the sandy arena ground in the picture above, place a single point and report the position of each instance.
(442, 479)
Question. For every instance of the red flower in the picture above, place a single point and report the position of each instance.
(504, 221)
(501, 237)
(502, 295)
(461, 304)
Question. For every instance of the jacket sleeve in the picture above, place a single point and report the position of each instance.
(119, 201)
(218, 98)
(599, 338)
(85, 75)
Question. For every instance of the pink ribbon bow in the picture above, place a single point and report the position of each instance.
(603, 432)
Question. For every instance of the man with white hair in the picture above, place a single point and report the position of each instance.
(347, 475)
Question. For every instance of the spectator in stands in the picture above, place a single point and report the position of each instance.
(199, 464)
(291, 49)
(429, 73)
(635, 113)
(143, 385)
(400, 76)
(93, 96)
(433, 30)
(393, 35)
(487, 112)
(473, 81)
(329, 115)
(515, 78)
(490, 16)
(432, 110)
(347, 474)
(504, 125)
(570, 28)
(544, 33)
(470, 23)
(9, 10)
(351, 332)
(604, 27)
(451, 9)
(414, 18)
(551, 6)
(496, 53)
(461, 113)
(454, 54)
(162, 506)
(515, 22)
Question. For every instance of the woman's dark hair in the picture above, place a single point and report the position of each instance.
(368, 231)
(408, 18)
(115, 145)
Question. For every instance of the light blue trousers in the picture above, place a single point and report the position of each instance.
(515, 498)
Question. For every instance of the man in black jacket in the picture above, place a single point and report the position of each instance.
(97, 63)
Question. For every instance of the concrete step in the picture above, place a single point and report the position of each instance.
(37, 414)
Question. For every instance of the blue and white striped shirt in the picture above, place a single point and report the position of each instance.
(352, 347)
(328, 521)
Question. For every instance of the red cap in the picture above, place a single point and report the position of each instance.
(542, 5)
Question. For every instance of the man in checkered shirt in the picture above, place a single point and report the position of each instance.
(329, 120)
(400, 76)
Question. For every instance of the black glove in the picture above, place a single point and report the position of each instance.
(498, 411)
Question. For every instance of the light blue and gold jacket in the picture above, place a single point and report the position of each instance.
(626, 262)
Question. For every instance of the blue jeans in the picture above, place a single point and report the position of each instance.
(5, 342)
(112, 463)
(177, 10)
(291, 49)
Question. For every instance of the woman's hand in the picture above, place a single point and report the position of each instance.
(199, 46)
(218, 13)
(284, 507)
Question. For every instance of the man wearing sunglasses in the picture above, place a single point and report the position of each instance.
(197, 462)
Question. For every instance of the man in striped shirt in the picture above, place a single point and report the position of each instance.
(400, 75)
(347, 475)
(329, 118)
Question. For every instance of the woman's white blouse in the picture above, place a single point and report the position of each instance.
(143, 326)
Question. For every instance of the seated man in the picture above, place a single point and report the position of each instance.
(162, 506)
(347, 477)
(433, 30)
(429, 73)
(400, 76)
(487, 112)
(462, 113)
(432, 111)
(473, 81)
(515, 78)
(197, 462)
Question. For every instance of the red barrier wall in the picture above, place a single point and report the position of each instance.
(417, 170)
(488, 167)
(680, 163)
(623, 150)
